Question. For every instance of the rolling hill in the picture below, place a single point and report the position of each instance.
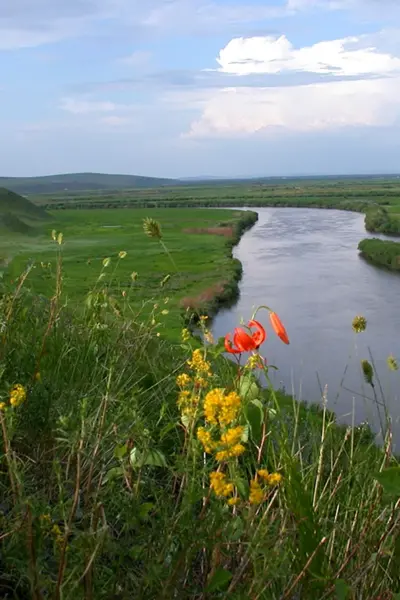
(17, 213)
(80, 182)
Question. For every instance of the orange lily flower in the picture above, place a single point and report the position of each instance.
(244, 342)
(278, 327)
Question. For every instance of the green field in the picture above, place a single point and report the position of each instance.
(196, 257)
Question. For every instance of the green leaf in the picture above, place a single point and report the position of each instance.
(113, 473)
(248, 387)
(219, 580)
(152, 458)
(120, 451)
(242, 486)
(390, 481)
(342, 590)
(145, 509)
(255, 417)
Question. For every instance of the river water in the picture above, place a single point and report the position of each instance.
(305, 265)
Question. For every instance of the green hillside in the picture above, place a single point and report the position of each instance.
(18, 214)
(80, 182)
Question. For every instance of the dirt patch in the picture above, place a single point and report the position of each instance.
(224, 231)
(196, 303)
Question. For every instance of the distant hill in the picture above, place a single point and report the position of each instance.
(17, 213)
(80, 182)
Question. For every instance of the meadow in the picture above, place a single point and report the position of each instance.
(196, 271)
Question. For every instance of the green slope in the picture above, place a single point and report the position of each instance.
(80, 182)
(17, 214)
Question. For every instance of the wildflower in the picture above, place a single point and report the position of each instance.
(208, 336)
(233, 501)
(134, 276)
(221, 408)
(232, 452)
(359, 324)
(2, 405)
(17, 395)
(242, 341)
(205, 439)
(392, 363)
(263, 473)
(200, 382)
(106, 262)
(278, 327)
(122, 254)
(367, 371)
(274, 479)
(232, 436)
(152, 228)
(219, 484)
(187, 403)
(185, 335)
(254, 361)
(183, 380)
(256, 493)
(198, 362)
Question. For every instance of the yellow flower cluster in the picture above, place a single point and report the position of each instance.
(183, 380)
(227, 447)
(219, 484)
(270, 478)
(187, 403)
(185, 335)
(199, 364)
(221, 408)
(17, 395)
(2, 405)
(256, 492)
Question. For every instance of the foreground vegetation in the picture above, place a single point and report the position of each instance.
(133, 468)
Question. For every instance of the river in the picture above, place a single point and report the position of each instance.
(305, 265)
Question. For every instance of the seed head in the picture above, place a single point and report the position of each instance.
(367, 371)
(152, 228)
(359, 324)
(392, 363)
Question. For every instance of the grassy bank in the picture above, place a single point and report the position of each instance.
(381, 253)
(136, 468)
(196, 273)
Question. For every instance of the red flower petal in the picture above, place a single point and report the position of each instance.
(243, 340)
(228, 345)
(259, 336)
(278, 327)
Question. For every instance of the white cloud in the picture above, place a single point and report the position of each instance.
(343, 57)
(315, 107)
(137, 60)
(81, 106)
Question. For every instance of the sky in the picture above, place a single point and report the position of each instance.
(185, 88)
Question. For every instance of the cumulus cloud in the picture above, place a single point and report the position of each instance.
(247, 56)
(362, 89)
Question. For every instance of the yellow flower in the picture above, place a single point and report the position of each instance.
(237, 450)
(183, 380)
(198, 362)
(185, 335)
(263, 473)
(221, 408)
(17, 395)
(204, 438)
(233, 501)
(122, 254)
(274, 479)
(232, 436)
(2, 405)
(219, 484)
(222, 455)
(256, 494)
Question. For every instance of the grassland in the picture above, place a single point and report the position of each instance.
(198, 270)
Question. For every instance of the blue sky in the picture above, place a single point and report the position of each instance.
(183, 88)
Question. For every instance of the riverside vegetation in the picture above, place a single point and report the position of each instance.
(133, 467)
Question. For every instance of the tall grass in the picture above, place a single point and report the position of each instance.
(133, 468)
